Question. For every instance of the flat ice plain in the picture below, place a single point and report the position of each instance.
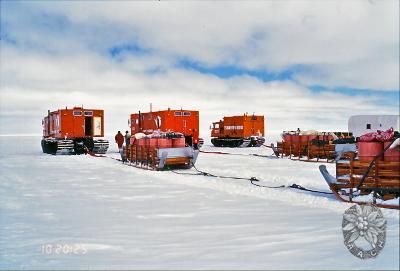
(80, 212)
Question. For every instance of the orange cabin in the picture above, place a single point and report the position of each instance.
(178, 121)
(239, 127)
(74, 123)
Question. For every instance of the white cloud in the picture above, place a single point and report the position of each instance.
(353, 43)
(340, 43)
(35, 82)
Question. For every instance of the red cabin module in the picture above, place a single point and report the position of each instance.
(73, 130)
(238, 131)
(181, 121)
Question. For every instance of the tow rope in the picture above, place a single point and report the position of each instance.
(253, 181)
(87, 151)
(237, 154)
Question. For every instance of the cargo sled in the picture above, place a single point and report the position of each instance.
(160, 151)
(366, 178)
(312, 146)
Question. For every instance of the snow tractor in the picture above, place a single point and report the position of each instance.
(74, 131)
(238, 131)
(181, 121)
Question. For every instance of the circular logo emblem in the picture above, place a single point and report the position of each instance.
(364, 230)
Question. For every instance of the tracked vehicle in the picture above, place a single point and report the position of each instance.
(74, 131)
(238, 131)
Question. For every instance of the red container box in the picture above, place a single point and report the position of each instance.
(286, 137)
(294, 138)
(391, 155)
(141, 141)
(153, 142)
(311, 137)
(307, 138)
(368, 150)
(164, 143)
(178, 142)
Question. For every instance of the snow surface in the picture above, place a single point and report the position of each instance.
(121, 217)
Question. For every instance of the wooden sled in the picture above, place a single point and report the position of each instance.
(306, 152)
(160, 158)
(356, 181)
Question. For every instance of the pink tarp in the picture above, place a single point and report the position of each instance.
(381, 136)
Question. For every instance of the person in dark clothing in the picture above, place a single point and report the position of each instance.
(119, 139)
(127, 139)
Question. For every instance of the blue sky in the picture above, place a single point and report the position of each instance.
(288, 59)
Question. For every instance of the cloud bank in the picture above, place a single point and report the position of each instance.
(121, 56)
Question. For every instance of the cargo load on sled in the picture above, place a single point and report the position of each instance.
(313, 145)
(181, 121)
(238, 131)
(371, 174)
(164, 139)
(74, 131)
(160, 150)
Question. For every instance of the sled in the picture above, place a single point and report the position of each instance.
(360, 182)
(160, 158)
(274, 149)
(305, 151)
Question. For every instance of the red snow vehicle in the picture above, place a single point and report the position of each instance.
(181, 121)
(75, 130)
(238, 131)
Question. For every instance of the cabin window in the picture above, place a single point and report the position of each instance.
(368, 126)
(253, 118)
(158, 122)
(88, 113)
(186, 113)
(77, 113)
(178, 113)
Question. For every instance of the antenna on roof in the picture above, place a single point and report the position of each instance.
(151, 107)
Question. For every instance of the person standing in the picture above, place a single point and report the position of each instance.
(127, 139)
(119, 139)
